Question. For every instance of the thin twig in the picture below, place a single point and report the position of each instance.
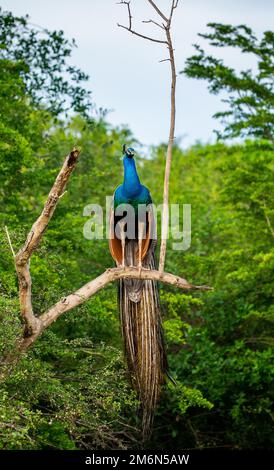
(268, 220)
(141, 35)
(154, 22)
(129, 12)
(165, 219)
(173, 6)
(129, 27)
(9, 240)
(62, 194)
(158, 10)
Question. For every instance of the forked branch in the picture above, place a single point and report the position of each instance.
(34, 324)
(33, 239)
(129, 27)
(88, 290)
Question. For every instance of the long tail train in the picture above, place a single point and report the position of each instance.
(141, 323)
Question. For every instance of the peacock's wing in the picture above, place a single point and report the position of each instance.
(115, 246)
(131, 256)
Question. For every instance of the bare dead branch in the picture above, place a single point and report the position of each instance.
(110, 275)
(22, 258)
(88, 290)
(129, 27)
(62, 194)
(141, 35)
(268, 219)
(154, 22)
(129, 12)
(41, 223)
(158, 10)
(165, 219)
(9, 240)
(269, 224)
(173, 6)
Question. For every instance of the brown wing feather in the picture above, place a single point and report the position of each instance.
(115, 246)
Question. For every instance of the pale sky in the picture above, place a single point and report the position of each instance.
(125, 74)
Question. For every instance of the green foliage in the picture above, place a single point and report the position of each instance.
(175, 306)
(250, 97)
(66, 395)
(42, 56)
(226, 351)
(184, 397)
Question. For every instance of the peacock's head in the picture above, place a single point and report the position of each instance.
(128, 152)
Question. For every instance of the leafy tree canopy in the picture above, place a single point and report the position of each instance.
(43, 59)
(250, 93)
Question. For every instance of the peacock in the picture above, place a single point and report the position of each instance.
(138, 300)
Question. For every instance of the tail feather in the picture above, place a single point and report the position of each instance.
(143, 337)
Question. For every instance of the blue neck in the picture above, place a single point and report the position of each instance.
(131, 185)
